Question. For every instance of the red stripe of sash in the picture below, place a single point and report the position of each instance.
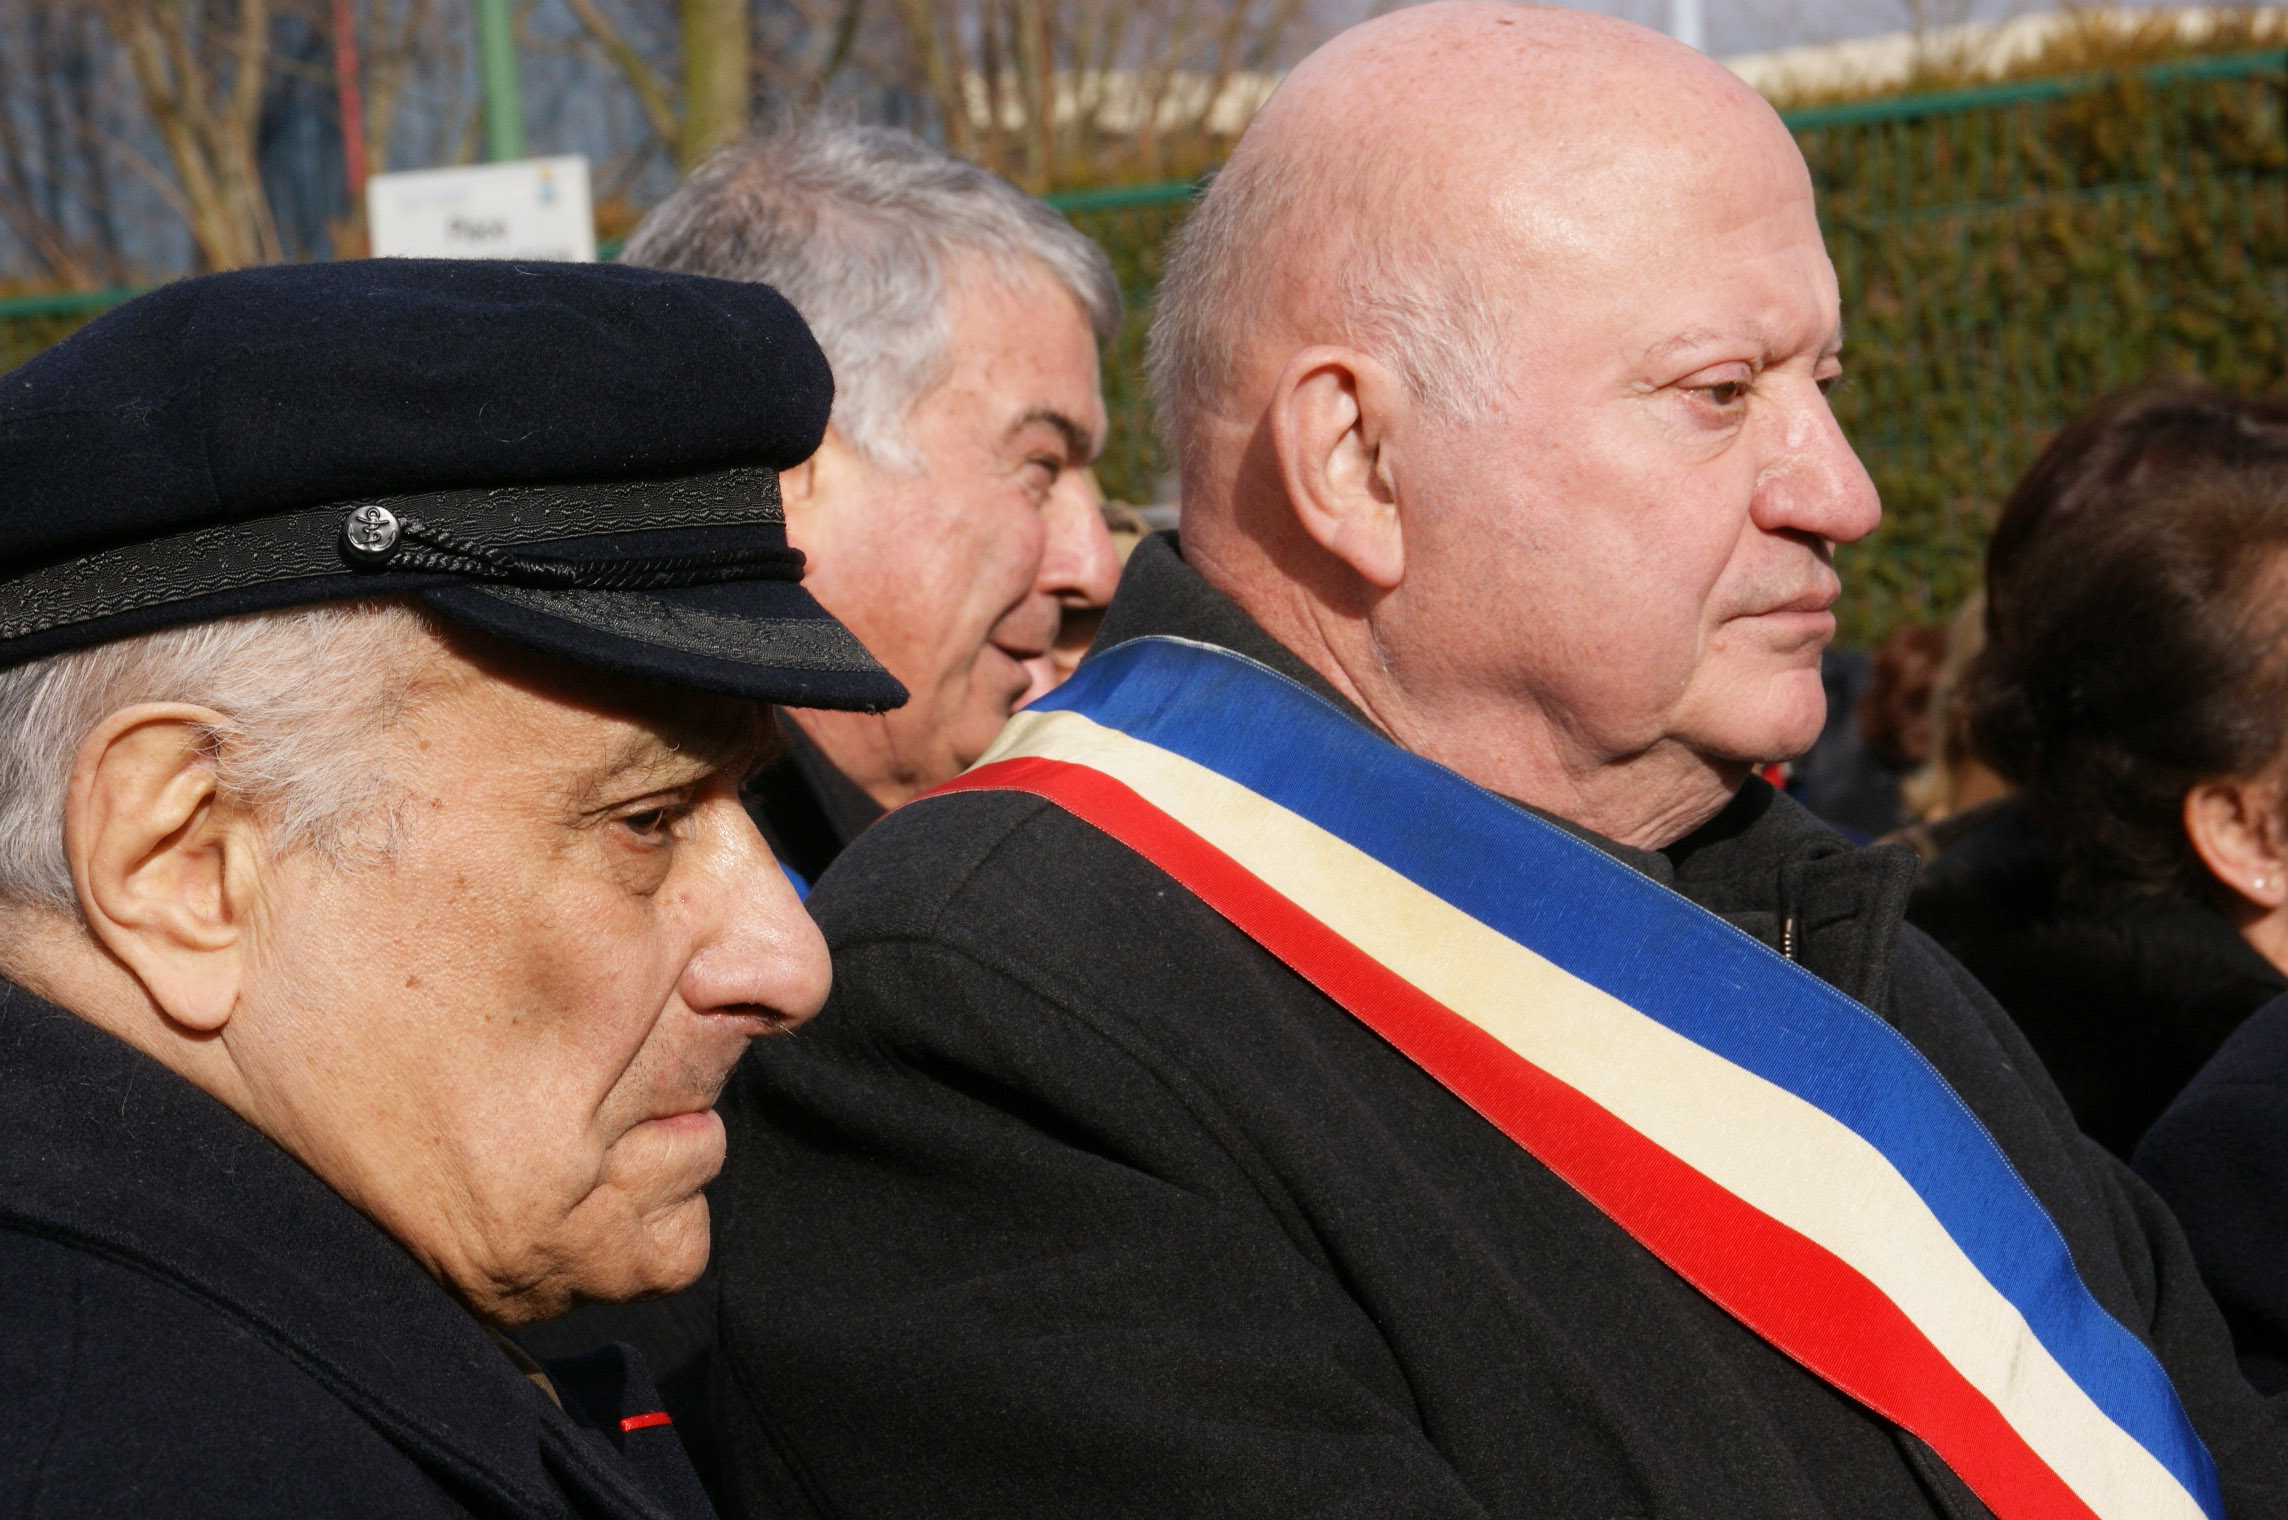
(1787, 1288)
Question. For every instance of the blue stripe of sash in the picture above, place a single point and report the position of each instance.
(1661, 954)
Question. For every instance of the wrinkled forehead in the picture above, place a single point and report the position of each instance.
(1612, 187)
(1612, 240)
(1639, 191)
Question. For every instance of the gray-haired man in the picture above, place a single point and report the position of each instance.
(945, 518)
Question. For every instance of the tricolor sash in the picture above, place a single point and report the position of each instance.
(1779, 1146)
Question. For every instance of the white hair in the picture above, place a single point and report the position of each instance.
(303, 695)
(1415, 302)
(860, 227)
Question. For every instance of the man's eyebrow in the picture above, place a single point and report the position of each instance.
(637, 768)
(1080, 443)
(1760, 336)
(737, 742)
(1691, 337)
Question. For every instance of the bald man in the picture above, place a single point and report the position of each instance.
(1367, 1046)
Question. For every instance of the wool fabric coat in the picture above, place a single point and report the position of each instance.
(2220, 1158)
(2123, 999)
(1075, 1201)
(195, 1326)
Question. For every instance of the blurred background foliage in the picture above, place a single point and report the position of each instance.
(2006, 260)
(2015, 234)
(2009, 256)
(2008, 253)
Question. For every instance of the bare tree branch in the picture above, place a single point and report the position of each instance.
(717, 76)
(210, 142)
(838, 54)
(944, 77)
(653, 90)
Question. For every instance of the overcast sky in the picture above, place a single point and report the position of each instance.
(1746, 26)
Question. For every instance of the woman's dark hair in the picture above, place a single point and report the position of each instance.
(2161, 428)
(2137, 602)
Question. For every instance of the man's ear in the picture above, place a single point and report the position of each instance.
(165, 871)
(799, 483)
(812, 489)
(2235, 827)
(1330, 418)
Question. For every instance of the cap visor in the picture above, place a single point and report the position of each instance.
(767, 640)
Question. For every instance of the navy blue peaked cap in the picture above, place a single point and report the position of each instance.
(582, 458)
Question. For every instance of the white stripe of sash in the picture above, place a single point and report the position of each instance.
(1756, 1140)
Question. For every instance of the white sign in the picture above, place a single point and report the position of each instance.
(535, 208)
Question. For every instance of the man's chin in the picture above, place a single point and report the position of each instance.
(1753, 735)
(650, 1257)
(649, 1234)
(972, 734)
(675, 1268)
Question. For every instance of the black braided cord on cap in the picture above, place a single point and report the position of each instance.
(421, 547)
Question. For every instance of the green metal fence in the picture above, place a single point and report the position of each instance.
(2006, 254)
(30, 323)
(1132, 224)
(2009, 255)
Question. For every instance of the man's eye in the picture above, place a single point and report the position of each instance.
(1726, 392)
(1828, 385)
(651, 825)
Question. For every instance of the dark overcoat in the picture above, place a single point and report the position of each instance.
(2220, 1158)
(1075, 1201)
(2123, 998)
(194, 1325)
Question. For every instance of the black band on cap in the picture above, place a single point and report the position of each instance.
(374, 539)
(482, 534)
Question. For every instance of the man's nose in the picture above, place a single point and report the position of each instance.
(1078, 565)
(1814, 483)
(764, 952)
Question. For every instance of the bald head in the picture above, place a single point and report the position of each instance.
(1505, 138)
(1494, 363)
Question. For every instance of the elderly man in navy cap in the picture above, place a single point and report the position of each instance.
(947, 511)
(383, 647)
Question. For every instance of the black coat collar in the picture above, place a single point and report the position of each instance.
(1763, 864)
(105, 1150)
(2124, 996)
(807, 809)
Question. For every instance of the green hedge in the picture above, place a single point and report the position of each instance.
(2007, 255)
(30, 323)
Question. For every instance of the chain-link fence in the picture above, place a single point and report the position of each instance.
(30, 323)
(2007, 255)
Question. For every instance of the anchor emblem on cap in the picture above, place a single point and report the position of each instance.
(370, 533)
